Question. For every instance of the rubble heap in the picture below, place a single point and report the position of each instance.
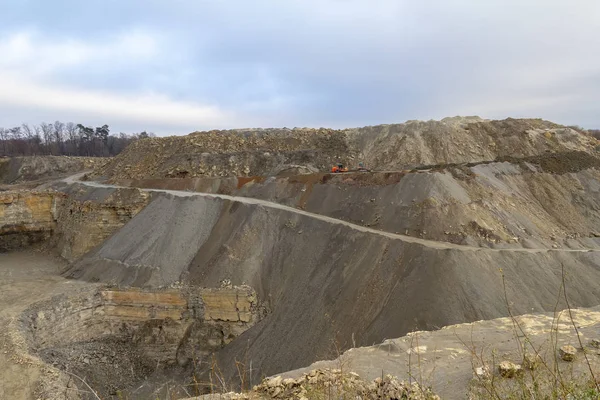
(335, 383)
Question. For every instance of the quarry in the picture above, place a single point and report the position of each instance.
(235, 264)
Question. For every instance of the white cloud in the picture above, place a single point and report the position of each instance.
(29, 67)
(147, 108)
(28, 52)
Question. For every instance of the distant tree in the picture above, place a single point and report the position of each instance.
(63, 139)
(4, 139)
(102, 133)
(595, 133)
(71, 133)
(59, 130)
(47, 130)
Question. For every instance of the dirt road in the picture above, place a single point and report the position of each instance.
(268, 204)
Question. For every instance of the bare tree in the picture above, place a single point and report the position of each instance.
(59, 129)
(4, 139)
(71, 130)
(63, 139)
(47, 135)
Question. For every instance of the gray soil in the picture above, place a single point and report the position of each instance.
(354, 285)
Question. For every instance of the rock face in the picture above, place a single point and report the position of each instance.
(115, 337)
(27, 217)
(74, 221)
(87, 217)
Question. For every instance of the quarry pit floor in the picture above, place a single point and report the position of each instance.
(444, 359)
(26, 277)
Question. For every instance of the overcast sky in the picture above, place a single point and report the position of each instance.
(176, 66)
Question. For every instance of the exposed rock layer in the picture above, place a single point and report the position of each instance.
(27, 217)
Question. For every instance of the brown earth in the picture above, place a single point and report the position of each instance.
(268, 152)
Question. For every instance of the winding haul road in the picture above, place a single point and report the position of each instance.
(75, 179)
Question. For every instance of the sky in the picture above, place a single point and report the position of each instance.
(172, 67)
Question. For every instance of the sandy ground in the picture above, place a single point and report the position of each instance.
(25, 277)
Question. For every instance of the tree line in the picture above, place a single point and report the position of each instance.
(64, 139)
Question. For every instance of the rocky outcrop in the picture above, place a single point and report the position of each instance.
(116, 337)
(27, 217)
(88, 216)
(74, 220)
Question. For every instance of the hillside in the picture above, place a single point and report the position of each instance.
(383, 147)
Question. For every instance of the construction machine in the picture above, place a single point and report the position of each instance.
(341, 168)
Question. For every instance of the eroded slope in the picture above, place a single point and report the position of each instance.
(352, 287)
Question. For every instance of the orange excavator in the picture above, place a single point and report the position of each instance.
(339, 168)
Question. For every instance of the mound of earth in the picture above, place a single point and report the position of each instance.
(550, 201)
(324, 281)
(229, 153)
(266, 152)
(22, 169)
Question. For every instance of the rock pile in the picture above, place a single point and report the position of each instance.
(266, 152)
(335, 384)
(229, 153)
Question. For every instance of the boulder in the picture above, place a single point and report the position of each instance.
(508, 369)
(567, 353)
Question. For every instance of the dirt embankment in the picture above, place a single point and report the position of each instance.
(352, 287)
(229, 153)
(268, 152)
(17, 170)
(548, 201)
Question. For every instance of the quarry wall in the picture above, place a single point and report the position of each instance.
(27, 217)
(73, 221)
(167, 326)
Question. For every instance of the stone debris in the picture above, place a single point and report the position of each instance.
(483, 373)
(567, 353)
(531, 361)
(334, 384)
(509, 369)
(595, 343)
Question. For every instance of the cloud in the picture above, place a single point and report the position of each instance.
(30, 63)
(147, 108)
(30, 53)
(332, 63)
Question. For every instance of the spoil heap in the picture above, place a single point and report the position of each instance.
(254, 152)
